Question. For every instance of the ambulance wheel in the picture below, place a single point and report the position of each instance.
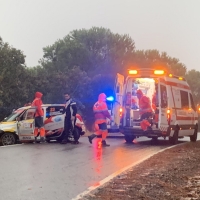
(129, 138)
(8, 139)
(154, 140)
(174, 139)
(193, 138)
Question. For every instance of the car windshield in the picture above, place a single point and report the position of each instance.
(12, 117)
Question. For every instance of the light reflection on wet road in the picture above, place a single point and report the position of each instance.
(54, 171)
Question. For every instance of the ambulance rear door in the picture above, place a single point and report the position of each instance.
(119, 86)
(163, 102)
(26, 125)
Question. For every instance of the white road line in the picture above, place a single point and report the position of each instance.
(107, 179)
(11, 145)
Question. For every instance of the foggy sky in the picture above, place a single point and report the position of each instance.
(172, 26)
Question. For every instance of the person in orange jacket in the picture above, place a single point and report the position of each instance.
(145, 110)
(39, 124)
(100, 110)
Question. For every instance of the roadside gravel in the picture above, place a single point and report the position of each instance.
(173, 174)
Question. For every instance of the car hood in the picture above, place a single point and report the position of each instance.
(8, 126)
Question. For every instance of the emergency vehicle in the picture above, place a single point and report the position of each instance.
(19, 126)
(175, 114)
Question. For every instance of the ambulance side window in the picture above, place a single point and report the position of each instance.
(184, 99)
(163, 92)
(192, 102)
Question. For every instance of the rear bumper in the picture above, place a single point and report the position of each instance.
(138, 132)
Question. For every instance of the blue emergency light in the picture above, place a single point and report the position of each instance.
(110, 98)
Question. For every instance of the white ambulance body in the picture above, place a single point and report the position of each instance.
(174, 107)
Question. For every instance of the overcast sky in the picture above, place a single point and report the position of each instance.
(172, 26)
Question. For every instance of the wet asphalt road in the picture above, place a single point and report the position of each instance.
(53, 171)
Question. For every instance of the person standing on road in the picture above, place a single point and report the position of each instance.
(39, 124)
(100, 110)
(70, 118)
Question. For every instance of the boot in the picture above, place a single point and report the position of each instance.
(91, 137)
(36, 141)
(42, 140)
(75, 142)
(104, 144)
(64, 141)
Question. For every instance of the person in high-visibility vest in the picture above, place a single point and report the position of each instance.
(39, 124)
(100, 110)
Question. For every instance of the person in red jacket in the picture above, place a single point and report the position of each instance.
(145, 110)
(39, 124)
(100, 110)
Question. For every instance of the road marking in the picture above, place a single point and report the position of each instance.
(107, 179)
(12, 145)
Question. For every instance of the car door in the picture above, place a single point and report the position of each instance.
(26, 125)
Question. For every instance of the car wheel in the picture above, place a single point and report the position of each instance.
(129, 138)
(193, 138)
(174, 139)
(8, 139)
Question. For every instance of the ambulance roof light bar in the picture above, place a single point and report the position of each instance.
(144, 71)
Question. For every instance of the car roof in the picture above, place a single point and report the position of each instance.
(43, 105)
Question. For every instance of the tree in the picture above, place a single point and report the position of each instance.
(12, 77)
(84, 60)
(96, 50)
(193, 78)
(155, 59)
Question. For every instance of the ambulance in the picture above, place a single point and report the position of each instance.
(174, 113)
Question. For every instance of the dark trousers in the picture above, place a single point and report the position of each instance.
(146, 115)
(68, 126)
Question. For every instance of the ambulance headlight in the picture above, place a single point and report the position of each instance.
(110, 98)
